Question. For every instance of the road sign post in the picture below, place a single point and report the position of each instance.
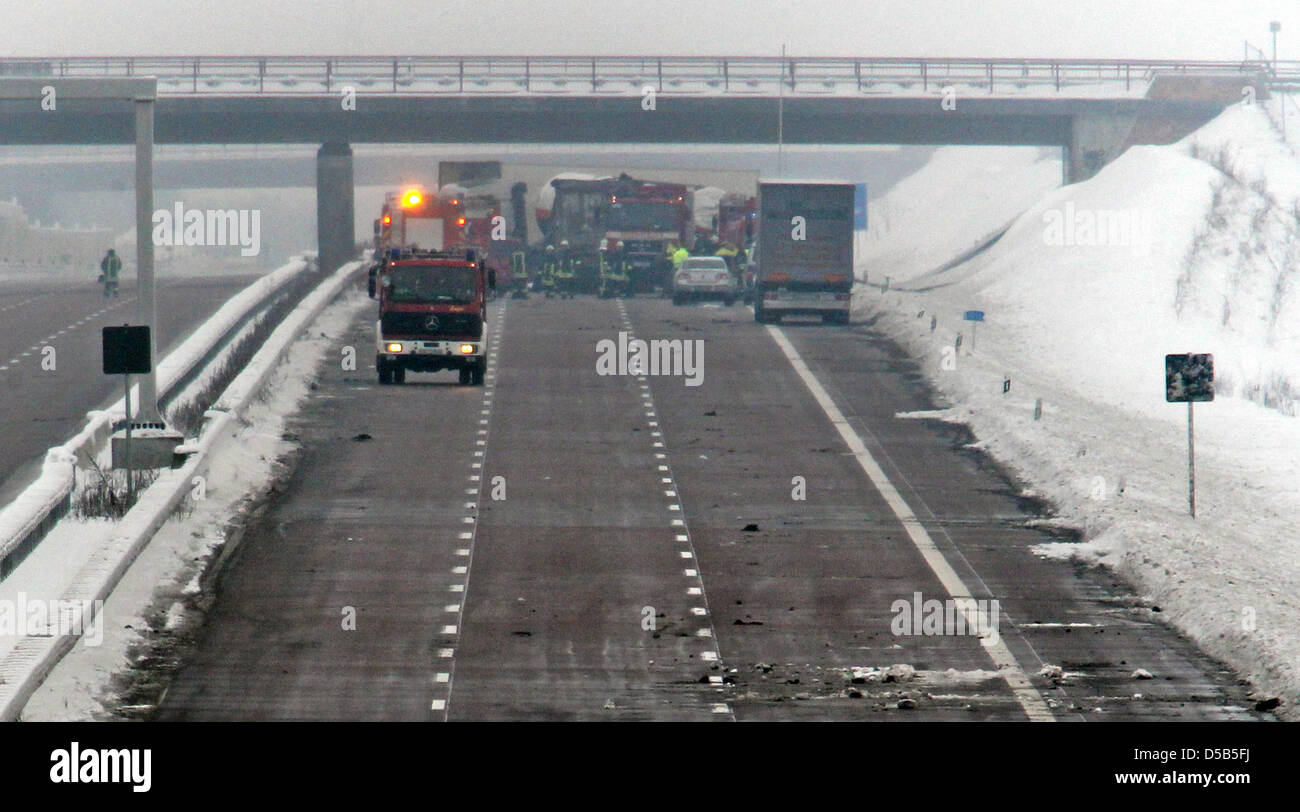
(974, 317)
(1190, 378)
(126, 351)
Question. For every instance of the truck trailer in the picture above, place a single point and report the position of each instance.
(805, 240)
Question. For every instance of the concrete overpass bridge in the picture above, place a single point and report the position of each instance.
(1094, 109)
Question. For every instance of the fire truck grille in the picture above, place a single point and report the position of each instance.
(432, 325)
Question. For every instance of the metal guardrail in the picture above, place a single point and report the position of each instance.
(26, 521)
(26, 665)
(436, 75)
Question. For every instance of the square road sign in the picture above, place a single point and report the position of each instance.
(126, 350)
(1189, 378)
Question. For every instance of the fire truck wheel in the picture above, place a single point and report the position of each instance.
(385, 372)
(476, 374)
(464, 374)
(399, 374)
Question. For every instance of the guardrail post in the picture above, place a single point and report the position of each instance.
(857, 74)
(329, 66)
(196, 74)
(261, 76)
(661, 74)
(460, 78)
(925, 76)
(394, 75)
(1056, 76)
(990, 67)
(726, 76)
(1126, 77)
(528, 75)
(593, 74)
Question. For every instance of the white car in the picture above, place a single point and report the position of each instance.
(704, 278)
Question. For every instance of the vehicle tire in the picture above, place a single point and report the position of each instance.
(385, 372)
(465, 376)
(476, 373)
(399, 374)
(760, 315)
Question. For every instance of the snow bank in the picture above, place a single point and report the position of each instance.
(1089, 288)
(951, 205)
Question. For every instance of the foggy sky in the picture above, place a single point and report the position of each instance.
(1179, 29)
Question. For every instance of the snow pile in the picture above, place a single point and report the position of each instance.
(950, 206)
(1162, 252)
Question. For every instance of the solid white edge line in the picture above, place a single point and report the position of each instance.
(1008, 668)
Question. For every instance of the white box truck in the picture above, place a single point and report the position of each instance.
(805, 240)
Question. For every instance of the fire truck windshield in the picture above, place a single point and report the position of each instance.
(639, 215)
(431, 284)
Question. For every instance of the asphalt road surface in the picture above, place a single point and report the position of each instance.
(565, 545)
(40, 406)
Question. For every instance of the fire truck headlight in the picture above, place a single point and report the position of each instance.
(394, 347)
(467, 349)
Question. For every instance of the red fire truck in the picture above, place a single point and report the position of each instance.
(432, 313)
(416, 219)
(646, 216)
(480, 209)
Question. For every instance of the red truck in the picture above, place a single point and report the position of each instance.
(646, 216)
(432, 313)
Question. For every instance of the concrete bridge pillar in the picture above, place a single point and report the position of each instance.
(335, 218)
(1096, 140)
(1176, 105)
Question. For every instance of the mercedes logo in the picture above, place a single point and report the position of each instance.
(432, 323)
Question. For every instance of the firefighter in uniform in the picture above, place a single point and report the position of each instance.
(519, 274)
(564, 272)
(613, 271)
(548, 272)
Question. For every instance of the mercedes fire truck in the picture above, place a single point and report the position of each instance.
(432, 313)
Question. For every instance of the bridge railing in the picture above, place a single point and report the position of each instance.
(433, 75)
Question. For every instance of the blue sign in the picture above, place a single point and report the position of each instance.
(974, 315)
(860, 206)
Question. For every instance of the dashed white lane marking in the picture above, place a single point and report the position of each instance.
(1008, 668)
(681, 535)
(462, 571)
(48, 340)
